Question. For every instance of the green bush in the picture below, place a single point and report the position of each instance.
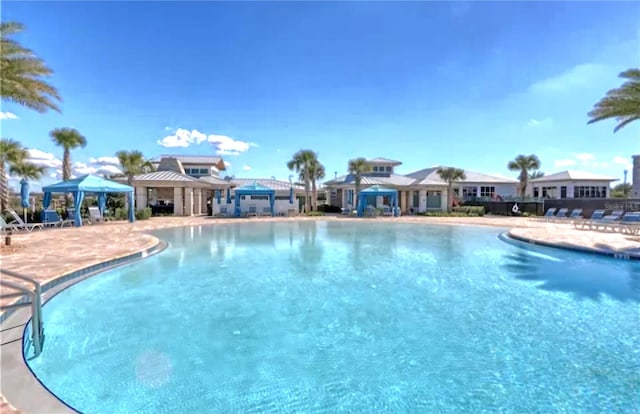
(120, 214)
(315, 213)
(143, 214)
(470, 210)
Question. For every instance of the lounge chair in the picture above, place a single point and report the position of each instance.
(95, 215)
(387, 211)
(606, 222)
(19, 223)
(253, 212)
(51, 218)
(222, 213)
(596, 216)
(266, 211)
(629, 223)
(576, 214)
(550, 213)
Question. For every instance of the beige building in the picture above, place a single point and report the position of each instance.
(571, 184)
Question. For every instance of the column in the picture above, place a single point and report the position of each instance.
(188, 201)
(178, 201)
(141, 197)
(444, 199)
(422, 201)
(198, 201)
(403, 202)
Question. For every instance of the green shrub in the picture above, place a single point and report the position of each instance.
(315, 213)
(120, 214)
(143, 214)
(470, 210)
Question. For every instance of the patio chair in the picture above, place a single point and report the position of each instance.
(606, 222)
(596, 216)
(629, 223)
(19, 223)
(95, 215)
(51, 218)
(6, 227)
(253, 212)
(387, 211)
(266, 211)
(549, 213)
(562, 215)
(222, 213)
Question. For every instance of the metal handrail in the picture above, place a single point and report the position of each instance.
(37, 328)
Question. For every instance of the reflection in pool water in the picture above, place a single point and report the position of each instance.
(307, 316)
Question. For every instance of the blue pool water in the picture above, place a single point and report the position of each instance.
(338, 316)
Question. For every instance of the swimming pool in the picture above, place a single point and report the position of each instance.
(343, 316)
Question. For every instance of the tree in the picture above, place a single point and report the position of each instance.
(11, 154)
(622, 103)
(133, 163)
(450, 175)
(358, 167)
(67, 138)
(621, 190)
(535, 174)
(524, 164)
(27, 171)
(316, 172)
(302, 164)
(21, 73)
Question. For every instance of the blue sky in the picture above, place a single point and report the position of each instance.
(468, 84)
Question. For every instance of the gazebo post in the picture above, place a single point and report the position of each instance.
(237, 211)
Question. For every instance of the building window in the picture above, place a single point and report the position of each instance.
(487, 191)
(549, 192)
(563, 192)
(388, 169)
(536, 192)
(590, 192)
(469, 192)
(259, 197)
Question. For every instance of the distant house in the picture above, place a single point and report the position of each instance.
(186, 185)
(635, 188)
(571, 184)
(421, 190)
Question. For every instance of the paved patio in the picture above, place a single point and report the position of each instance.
(49, 254)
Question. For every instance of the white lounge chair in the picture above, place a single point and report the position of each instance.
(95, 216)
(19, 223)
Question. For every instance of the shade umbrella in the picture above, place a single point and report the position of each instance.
(218, 196)
(24, 197)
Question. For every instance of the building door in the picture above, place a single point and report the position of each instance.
(434, 200)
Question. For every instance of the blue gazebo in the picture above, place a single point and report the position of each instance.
(374, 191)
(88, 184)
(254, 189)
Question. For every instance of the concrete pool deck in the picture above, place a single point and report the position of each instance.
(50, 254)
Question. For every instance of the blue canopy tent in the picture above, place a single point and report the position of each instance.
(255, 189)
(374, 191)
(88, 184)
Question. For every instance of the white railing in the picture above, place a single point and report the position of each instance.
(35, 301)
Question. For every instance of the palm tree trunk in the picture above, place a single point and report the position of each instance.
(66, 174)
(450, 197)
(307, 198)
(4, 188)
(314, 196)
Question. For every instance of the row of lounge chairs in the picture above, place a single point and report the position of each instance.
(617, 221)
(252, 212)
(50, 218)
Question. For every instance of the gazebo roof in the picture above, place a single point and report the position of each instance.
(378, 190)
(88, 183)
(254, 188)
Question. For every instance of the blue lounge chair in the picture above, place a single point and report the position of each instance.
(595, 217)
(629, 223)
(561, 214)
(51, 218)
(607, 221)
(550, 213)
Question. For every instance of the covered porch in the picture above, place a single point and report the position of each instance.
(378, 197)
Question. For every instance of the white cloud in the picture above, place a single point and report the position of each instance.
(8, 115)
(564, 163)
(225, 145)
(227, 164)
(585, 157)
(43, 159)
(580, 76)
(81, 168)
(625, 162)
(538, 123)
(105, 161)
(247, 168)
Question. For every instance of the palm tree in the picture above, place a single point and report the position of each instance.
(21, 73)
(450, 175)
(536, 174)
(622, 103)
(133, 163)
(302, 164)
(358, 167)
(67, 138)
(11, 154)
(524, 164)
(316, 172)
